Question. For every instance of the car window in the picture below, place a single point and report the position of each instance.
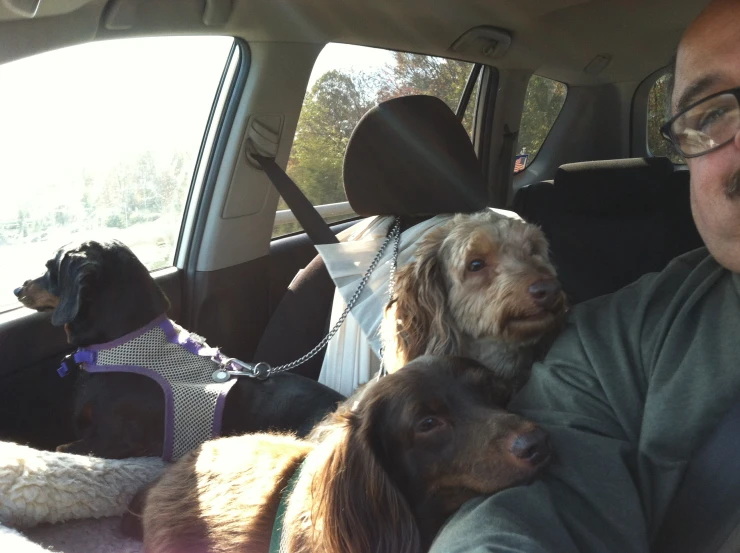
(100, 141)
(543, 101)
(657, 114)
(345, 82)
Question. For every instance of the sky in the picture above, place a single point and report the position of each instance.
(348, 57)
(82, 110)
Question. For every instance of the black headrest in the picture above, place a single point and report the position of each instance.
(411, 156)
(618, 186)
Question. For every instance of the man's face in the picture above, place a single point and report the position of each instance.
(708, 61)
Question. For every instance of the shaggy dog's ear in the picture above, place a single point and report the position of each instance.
(356, 506)
(419, 322)
(76, 271)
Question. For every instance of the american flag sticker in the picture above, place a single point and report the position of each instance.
(520, 163)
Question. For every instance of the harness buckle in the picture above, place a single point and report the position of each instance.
(67, 363)
(260, 371)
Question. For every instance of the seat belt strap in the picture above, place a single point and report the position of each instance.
(314, 225)
(499, 196)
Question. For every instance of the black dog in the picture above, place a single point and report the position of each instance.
(100, 292)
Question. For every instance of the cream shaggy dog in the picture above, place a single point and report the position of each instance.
(480, 286)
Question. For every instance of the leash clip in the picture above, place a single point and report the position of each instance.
(260, 371)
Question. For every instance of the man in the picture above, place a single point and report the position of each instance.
(639, 379)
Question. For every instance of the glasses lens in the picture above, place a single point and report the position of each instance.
(707, 125)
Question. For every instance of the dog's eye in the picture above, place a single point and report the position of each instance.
(429, 424)
(476, 265)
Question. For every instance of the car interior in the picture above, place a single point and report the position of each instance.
(613, 202)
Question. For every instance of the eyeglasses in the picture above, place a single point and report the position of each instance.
(705, 125)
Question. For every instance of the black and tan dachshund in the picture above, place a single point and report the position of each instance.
(100, 292)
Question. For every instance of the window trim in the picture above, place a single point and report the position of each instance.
(639, 114)
(549, 132)
(487, 97)
(339, 209)
(208, 145)
(213, 164)
(470, 84)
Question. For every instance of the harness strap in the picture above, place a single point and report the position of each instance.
(182, 364)
(277, 527)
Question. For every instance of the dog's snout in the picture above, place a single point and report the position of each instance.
(532, 447)
(19, 291)
(545, 292)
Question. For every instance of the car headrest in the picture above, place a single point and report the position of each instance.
(411, 156)
(617, 186)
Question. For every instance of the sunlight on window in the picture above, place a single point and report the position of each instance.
(99, 141)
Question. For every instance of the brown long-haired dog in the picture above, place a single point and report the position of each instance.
(481, 286)
(380, 474)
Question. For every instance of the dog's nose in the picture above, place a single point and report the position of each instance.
(532, 447)
(545, 292)
(18, 291)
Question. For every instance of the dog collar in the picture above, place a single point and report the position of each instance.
(277, 527)
(182, 364)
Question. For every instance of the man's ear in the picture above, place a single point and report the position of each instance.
(76, 272)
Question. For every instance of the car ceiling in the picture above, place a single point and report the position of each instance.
(555, 38)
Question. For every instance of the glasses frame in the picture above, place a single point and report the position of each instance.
(667, 133)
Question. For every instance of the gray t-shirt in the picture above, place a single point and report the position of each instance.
(632, 387)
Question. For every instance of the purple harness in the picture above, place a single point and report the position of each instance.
(183, 365)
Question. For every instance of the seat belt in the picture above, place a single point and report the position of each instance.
(704, 516)
(314, 225)
(505, 168)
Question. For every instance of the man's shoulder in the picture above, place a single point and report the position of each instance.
(692, 260)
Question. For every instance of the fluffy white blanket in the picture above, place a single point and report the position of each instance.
(40, 490)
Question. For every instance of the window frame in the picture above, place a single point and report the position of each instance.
(210, 157)
(639, 146)
(531, 160)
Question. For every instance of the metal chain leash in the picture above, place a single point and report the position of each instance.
(263, 370)
(391, 292)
